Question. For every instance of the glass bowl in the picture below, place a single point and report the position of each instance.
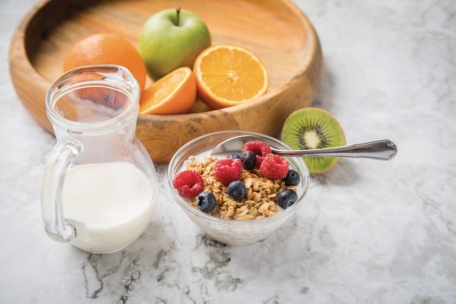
(234, 232)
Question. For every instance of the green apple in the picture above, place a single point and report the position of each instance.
(171, 39)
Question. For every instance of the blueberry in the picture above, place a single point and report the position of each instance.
(286, 198)
(248, 160)
(206, 201)
(292, 178)
(236, 190)
(234, 156)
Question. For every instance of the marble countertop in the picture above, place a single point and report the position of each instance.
(369, 232)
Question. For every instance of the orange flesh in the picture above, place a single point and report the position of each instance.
(173, 94)
(232, 74)
(159, 92)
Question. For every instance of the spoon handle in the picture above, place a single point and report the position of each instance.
(380, 149)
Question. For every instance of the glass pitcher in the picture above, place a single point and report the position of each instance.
(99, 187)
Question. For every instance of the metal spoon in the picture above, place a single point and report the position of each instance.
(380, 149)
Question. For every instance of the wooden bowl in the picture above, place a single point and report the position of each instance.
(275, 30)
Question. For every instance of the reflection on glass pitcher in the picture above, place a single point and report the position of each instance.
(99, 188)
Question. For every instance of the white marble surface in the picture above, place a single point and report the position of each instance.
(370, 232)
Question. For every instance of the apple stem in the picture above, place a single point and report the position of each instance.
(177, 14)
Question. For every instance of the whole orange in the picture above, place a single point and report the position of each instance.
(106, 48)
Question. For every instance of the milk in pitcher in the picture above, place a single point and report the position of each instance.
(110, 204)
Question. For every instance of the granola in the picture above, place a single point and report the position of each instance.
(259, 201)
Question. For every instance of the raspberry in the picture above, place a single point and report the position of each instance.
(260, 148)
(228, 170)
(274, 167)
(188, 183)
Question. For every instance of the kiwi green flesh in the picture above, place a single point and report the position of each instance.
(313, 128)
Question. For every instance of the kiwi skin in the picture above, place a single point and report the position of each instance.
(327, 128)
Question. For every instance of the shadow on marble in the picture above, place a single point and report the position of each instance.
(344, 174)
(325, 97)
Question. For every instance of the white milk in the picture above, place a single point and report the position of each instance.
(110, 204)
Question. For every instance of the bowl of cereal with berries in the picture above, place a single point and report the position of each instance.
(239, 197)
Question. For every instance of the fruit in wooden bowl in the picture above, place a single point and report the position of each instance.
(104, 48)
(274, 30)
(228, 75)
(173, 94)
(172, 39)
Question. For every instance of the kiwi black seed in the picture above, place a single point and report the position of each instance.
(313, 128)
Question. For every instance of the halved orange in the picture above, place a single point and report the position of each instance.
(228, 75)
(175, 93)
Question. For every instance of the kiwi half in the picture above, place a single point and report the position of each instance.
(313, 128)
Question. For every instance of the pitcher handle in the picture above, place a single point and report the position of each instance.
(61, 158)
